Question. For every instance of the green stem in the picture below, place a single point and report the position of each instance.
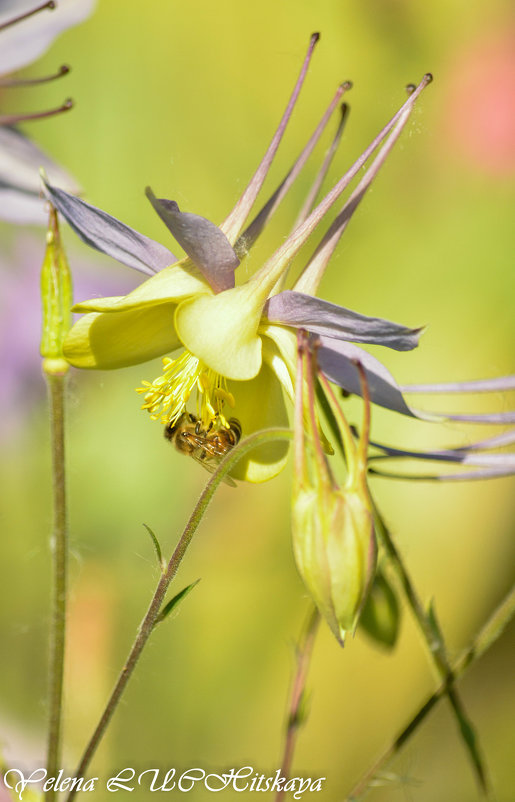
(436, 649)
(56, 388)
(152, 614)
(488, 634)
(296, 714)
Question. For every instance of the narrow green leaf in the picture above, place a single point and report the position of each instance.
(485, 638)
(380, 617)
(303, 709)
(433, 620)
(157, 547)
(299, 716)
(172, 604)
(466, 727)
(438, 645)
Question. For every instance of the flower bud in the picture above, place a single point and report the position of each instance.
(333, 527)
(334, 545)
(56, 299)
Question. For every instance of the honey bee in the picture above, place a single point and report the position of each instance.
(206, 445)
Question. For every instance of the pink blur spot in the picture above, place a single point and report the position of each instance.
(480, 111)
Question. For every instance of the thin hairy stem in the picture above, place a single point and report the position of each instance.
(147, 625)
(487, 635)
(299, 445)
(296, 714)
(56, 388)
(345, 436)
(310, 379)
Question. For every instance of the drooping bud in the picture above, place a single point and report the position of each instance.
(56, 299)
(333, 526)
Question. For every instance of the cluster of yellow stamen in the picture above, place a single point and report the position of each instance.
(166, 397)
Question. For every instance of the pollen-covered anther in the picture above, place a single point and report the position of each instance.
(212, 397)
(225, 397)
(166, 397)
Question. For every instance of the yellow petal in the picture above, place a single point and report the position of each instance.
(260, 405)
(105, 341)
(221, 330)
(174, 283)
(280, 351)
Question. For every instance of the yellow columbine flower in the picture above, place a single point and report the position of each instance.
(239, 340)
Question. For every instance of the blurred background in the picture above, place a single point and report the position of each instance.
(185, 97)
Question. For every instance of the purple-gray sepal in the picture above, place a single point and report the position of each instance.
(109, 235)
(337, 360)
(206, 245)
(322, 317)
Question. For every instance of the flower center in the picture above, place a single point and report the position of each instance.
(166, 397)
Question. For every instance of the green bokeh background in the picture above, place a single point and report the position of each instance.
(185, 97)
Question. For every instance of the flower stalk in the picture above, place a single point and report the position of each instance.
(56, 391)
(297, 712)
(56, 297)
(169, 572)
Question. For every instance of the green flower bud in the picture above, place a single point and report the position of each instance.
(333, 526)
(56, 299)
(335, 551)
